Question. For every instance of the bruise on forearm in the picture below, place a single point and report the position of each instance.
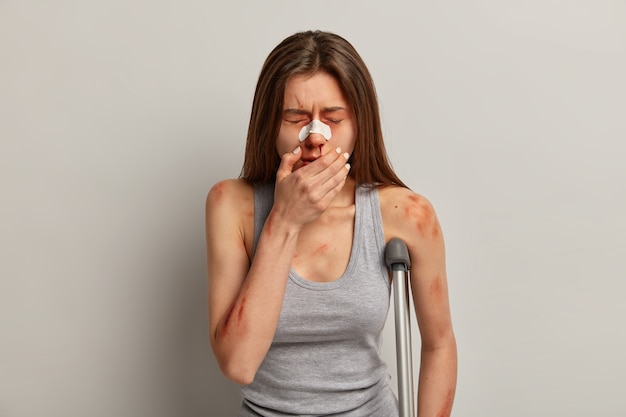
(446, 408)
(229, 320)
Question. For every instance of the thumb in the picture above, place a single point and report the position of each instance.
(287, 161)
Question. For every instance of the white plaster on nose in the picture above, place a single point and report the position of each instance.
(316, 126)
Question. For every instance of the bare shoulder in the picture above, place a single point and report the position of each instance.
(231, 202)
(230, 212)
(408, 215)
(228, 192)
(230, 206)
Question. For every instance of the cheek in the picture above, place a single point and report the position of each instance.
(345, 137)
(287, 140)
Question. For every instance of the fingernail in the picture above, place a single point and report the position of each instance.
(348, 167)
(338, 150)
(346, 155)
(296, 151)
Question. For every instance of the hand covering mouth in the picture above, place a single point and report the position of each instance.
(307, 161)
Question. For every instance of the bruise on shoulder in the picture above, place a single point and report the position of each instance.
(229, 190)
(218, 191)
(420, 214)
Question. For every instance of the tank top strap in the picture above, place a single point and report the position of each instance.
(263, 202)
(373, 236)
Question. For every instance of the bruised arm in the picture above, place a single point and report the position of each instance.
(412, 218)
(245, 297)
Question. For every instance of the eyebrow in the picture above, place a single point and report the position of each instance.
(332, 109)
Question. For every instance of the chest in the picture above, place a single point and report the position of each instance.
(349, 311)
(324, 246)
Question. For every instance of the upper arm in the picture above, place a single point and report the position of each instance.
(412, 218)
(229, 206)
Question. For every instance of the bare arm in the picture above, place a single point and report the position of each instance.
(245, 298)
(413, 219)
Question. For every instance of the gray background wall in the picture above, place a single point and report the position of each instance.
(116, 117)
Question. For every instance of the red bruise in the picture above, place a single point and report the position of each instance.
(224, 328)
(420, 214)
(436, 288)
(241, 307)
(446, 410)
(420, 227)
(323, 248)
(218, 190)
(227, 320)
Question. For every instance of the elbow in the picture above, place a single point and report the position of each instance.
(444, 342)
(238, 374)
(236, 363)
(236, 370)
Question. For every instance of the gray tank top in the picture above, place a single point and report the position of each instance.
(325, 357)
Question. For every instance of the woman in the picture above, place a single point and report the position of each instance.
(298, 288)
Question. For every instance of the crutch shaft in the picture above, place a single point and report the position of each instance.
(397, 259)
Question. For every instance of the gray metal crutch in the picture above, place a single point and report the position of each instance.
(399, 262)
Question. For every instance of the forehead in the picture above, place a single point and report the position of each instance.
(318, 89)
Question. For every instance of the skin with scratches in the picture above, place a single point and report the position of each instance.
(411, 217)
(447, 407)
(436, 290)
(241, 307)
(403, 213)
(224, 328)
(320, 250)
(420, 214)
(229, 316)
(314, 202)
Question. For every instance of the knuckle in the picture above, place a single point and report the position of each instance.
(319, 205)
(329, 158)
(308, 188)
(299, 179)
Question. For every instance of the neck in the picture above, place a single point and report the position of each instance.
(345, 197)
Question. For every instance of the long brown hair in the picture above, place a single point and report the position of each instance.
(307, 53)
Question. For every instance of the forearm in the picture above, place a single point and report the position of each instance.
(245, 333)
(437, 381)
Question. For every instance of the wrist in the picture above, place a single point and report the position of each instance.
(278, 224)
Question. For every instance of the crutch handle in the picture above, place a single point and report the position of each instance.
(396, 253)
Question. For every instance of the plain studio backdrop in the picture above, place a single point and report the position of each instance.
(116, 117)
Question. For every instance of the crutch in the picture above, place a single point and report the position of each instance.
(399, 262)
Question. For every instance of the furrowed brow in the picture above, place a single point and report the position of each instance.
(333, 109)
(299, 112)
(302, 112)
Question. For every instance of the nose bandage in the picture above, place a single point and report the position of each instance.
(315, 126)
